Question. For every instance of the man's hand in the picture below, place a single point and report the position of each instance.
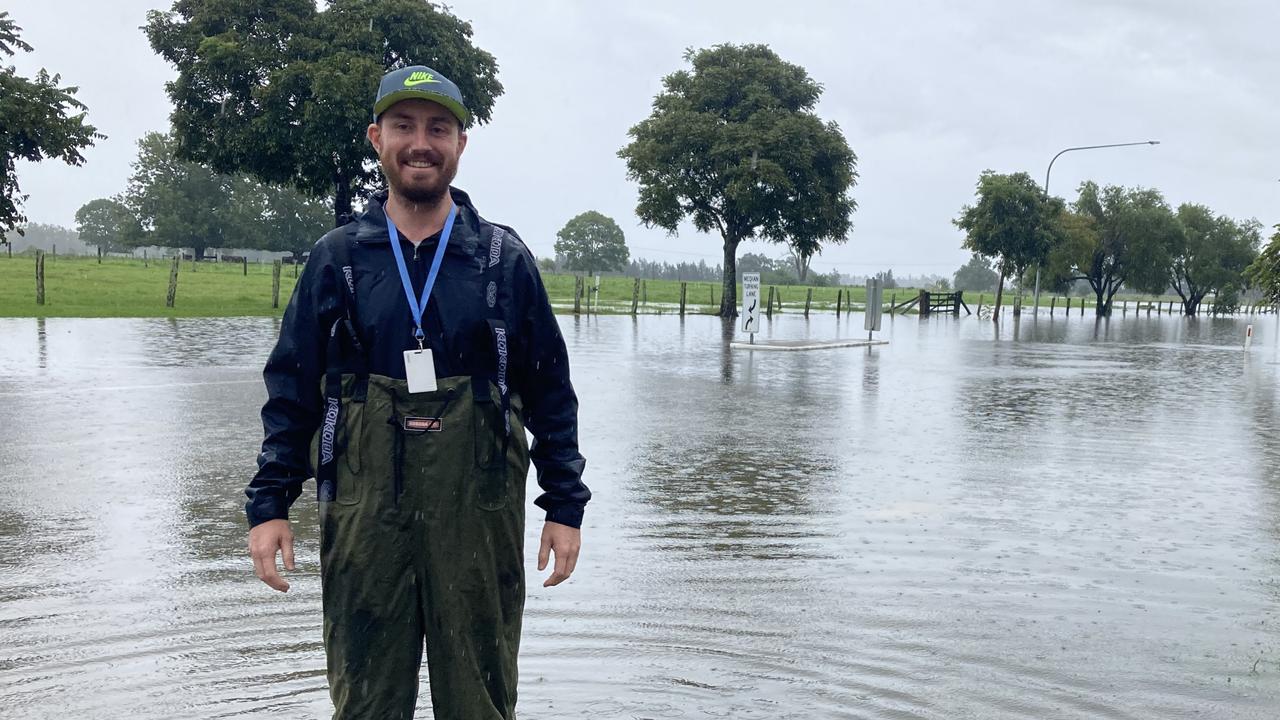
(270, 537)
(565, 541)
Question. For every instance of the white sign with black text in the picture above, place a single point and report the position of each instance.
(751, 303)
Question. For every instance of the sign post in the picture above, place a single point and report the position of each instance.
(751, 304)
(875, 299)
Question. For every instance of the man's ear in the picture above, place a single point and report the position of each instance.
(462, 142)
(374, 133)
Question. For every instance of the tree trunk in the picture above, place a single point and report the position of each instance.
(729, 285)
(197, 253)
(341, 200)
(995, 314)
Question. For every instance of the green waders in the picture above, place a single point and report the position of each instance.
(422, 536)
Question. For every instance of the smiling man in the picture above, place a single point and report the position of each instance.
(418, 346)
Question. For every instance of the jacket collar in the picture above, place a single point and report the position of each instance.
(371, 225)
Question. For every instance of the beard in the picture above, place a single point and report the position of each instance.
(429, 190)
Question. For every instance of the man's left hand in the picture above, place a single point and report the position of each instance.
(565, 542)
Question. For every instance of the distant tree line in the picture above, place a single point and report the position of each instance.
(1110, 237)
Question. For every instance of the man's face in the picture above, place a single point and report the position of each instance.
(418, 143)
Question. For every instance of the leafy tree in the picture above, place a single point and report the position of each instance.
(275, 219)
(106, 223)
(283, 92)
(38, 120)
(886, 279)
(1264, 272)
(757, 263)
(1211, 256)
(1115, 237)
(592, 242)
(178, 203)
(734, 145)
(976, 275)
(1012, 222)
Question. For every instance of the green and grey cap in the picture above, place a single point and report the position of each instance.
(423, 83)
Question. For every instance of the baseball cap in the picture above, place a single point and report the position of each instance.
(423, 83)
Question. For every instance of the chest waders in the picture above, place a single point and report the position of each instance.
(421, 531)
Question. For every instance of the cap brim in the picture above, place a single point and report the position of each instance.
(392, 98)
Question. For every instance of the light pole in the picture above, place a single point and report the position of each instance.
(1036, 301)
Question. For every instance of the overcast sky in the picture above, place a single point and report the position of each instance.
(928, 95)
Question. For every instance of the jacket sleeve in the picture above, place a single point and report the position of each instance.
(551, 406)
(294, 400)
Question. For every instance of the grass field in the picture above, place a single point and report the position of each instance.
(123, 287)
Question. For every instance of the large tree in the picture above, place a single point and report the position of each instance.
(283, 92)
(1211, 255)
(734, 145)
(1012, 222)
(976, 275)
(1264, 272)
(38, 120)
(276, 219)
(1114, 237)
(107, 223)
(592, 242)
(178, 203)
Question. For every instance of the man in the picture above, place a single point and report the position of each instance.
(418, 345)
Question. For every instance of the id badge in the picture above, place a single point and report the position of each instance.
(420, 371)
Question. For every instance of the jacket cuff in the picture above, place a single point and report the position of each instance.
(570, 515)
(265, 507)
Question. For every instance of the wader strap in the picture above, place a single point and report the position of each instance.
(501, 348)
(496, 282)
(339, 356)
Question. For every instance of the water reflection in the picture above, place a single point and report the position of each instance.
(1064, 519)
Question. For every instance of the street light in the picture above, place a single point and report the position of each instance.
(1046, 188)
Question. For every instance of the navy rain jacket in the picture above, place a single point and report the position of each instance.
(456, 332)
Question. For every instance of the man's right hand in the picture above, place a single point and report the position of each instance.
(265, 540)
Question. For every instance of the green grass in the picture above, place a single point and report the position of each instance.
(123, 287)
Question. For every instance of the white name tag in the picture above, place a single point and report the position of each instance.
(420, 370)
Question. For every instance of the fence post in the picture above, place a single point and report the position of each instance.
(979, 303)
(1017, 306)
(577, 294)
(768, 308)
(808, 300)
(244, 264)
(644, 292)
(275, 284)
(839, 297)
(145, 264)
(1053, 302)
(39, 277)
(923, 305)
(99, 254)
(684, 287)
(173, 282)
(635, 297)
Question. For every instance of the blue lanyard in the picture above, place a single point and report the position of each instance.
(418, 308)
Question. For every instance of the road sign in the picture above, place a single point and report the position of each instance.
(875, 298)
(751, 303)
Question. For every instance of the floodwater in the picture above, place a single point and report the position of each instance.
(1058, 519)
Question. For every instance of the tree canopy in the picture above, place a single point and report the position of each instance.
(1012, 222)
(1264, 272)
(733, 145)
(178, 203)
(38, 120)
(283, 92)
(106, 223)
(976, 275)
(1210, 254)
(592, 242)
